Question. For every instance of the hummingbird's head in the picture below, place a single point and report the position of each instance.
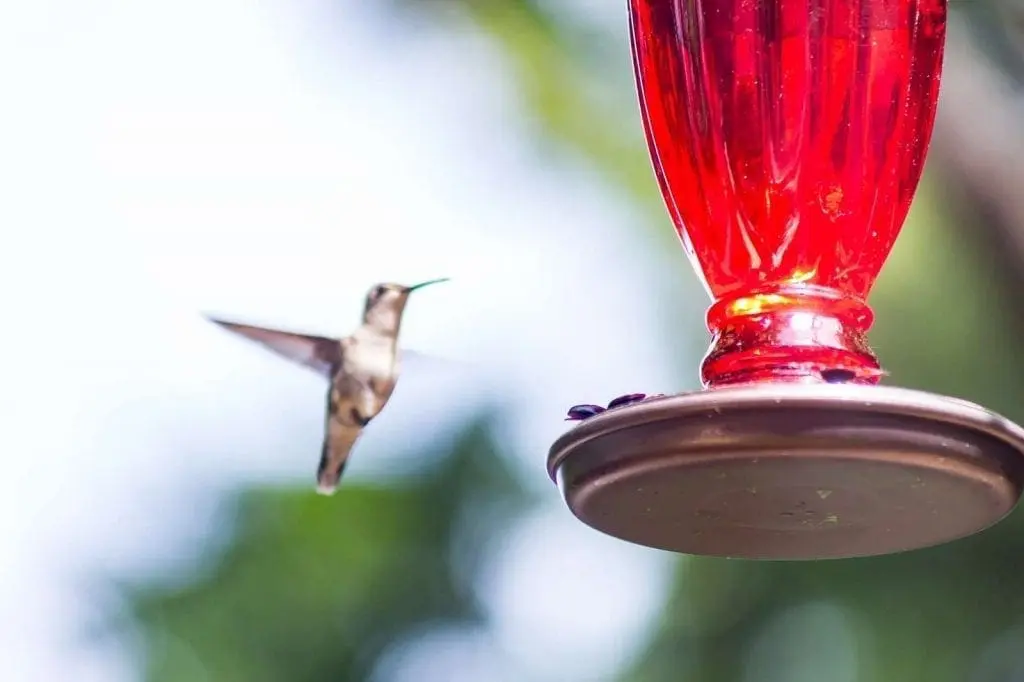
(385, 304)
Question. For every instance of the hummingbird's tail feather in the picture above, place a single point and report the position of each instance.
(329, 472)
(338, 443)
(326, 487)
(318, 353)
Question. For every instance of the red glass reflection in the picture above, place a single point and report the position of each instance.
(788, 137)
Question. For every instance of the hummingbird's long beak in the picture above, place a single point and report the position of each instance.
(425, 284)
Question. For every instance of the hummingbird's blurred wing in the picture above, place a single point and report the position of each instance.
(318, 353)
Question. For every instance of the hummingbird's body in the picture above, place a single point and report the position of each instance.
(362, 368)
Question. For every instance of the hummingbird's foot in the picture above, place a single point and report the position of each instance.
(581, 412)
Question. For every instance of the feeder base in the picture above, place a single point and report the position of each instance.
(792, 471)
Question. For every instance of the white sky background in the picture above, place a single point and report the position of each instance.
(159, 159)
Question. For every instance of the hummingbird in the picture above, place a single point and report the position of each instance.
(362, 369)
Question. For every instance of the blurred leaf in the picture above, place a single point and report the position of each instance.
(315, 589)
(943, 321)
(998, 27)
(572, 84)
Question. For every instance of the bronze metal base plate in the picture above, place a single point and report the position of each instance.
(792, 471)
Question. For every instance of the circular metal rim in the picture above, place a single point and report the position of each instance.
(873, 399)
(927, 419)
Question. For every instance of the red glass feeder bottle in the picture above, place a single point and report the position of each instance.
(788, 138)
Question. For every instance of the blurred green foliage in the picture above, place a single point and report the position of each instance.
(315, 591)
(312, 589)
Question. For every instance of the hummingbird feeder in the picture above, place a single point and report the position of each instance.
(788, 138)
